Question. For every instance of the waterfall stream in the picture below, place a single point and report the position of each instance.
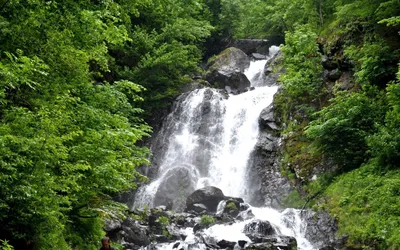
(207, 140)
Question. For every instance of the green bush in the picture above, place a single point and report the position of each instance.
(366, 204)
(231, 206)
(5, 246)
(341, 129)
(207, 220)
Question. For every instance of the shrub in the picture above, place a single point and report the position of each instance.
(207, 220)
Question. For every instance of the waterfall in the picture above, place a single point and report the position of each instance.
(207, 140)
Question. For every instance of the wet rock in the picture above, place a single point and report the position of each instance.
(262, 46)
(321, 228)
(177, 182)
(242, 243)
(224, 219)
(226, 244)
(258, 229)
(245, 215)
(192, 86)
(234, 82)
(258, 56)
(199, 208)
(284, 243)
(161, 238)
(231, 207)
(209, 196)
(266, 116)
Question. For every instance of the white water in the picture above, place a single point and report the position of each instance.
(218, 155)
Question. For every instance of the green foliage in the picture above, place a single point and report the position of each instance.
(373, 62)
(207, 220)
(293, 199)
(366, 204)
(385, 144)
(231, 206)
(163, 220)
(341, 129)
(5, 246)
(302, 62)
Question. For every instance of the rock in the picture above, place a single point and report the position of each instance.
(268, 70)
(177, 182)
(258, 56)
(209, 196)
(267, 115)
(267, 142)
(176, 245)
(199, 208)
(332, 75)
(284, 243)
(242, 243)
(328, 63)
(192, 86)
(174, 233)
(160, 238)
(321, 228)
(225, 71)
(267, 120)
(133, 233)
(258, 229)
(345, 82)
(262, 46)
(245, 215)
(112, 225)
(226, 244)
(272, 69)
(234, 82)
(231, 207)
(230, 60)
(224, 218)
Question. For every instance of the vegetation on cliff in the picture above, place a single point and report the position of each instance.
(346, 128)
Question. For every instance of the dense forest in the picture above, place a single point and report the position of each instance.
(80, 81)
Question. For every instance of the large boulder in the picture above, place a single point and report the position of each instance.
(231, 59)
(208, 196)
(176, 184)
(133, 233)
(258, 229)
(234, 82)
(226, 71)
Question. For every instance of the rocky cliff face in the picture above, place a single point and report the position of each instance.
(263, 170)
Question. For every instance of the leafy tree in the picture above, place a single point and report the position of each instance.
(385, 144)
(341, 129)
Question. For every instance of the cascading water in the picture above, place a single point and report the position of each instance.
(206, 141)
